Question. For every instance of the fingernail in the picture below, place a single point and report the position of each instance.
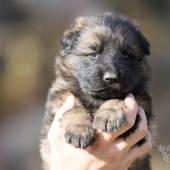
(129, 98)
(130, 95)
(131, 103)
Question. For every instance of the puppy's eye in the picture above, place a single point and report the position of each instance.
(125, 54)
(128, 55)
(92, 55)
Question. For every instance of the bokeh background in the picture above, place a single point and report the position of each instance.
(30, 31)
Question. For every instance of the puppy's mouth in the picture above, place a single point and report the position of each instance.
(106, 93)
(99, 90)
(116, 87)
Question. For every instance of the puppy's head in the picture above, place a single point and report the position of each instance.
(106, 55)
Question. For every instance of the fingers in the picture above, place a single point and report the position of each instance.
(121, 146)
(138, 151)
(131, 108)
(141, 131)
(56, 127)
(122, 150)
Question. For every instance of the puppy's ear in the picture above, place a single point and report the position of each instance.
(70, 36)
(116, 20)
(142, 41)
(145, 46)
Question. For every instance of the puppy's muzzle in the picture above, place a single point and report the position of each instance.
(110, 78)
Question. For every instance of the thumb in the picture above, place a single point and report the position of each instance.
(68, 104)
(55, 126)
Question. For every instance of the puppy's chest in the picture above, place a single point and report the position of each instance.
(91, 104)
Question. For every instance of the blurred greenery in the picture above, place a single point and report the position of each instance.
(30, 31)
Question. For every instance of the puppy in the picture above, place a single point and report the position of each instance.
(103, 57)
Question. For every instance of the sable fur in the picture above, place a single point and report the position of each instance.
(94, 49)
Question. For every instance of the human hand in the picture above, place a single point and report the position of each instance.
(108, 152)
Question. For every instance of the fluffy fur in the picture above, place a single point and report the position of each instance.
(103, 58)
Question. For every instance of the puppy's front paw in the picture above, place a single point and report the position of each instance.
(109, 120)
(80, 136)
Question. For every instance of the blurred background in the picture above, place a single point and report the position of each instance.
(30, 31)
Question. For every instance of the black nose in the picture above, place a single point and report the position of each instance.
(110, 78)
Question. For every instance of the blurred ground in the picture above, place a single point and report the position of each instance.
(29, 40)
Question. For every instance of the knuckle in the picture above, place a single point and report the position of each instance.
(113, 157)
(143, 131)
(130, 122)
(116, 154)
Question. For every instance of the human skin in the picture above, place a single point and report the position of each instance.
(108, 152)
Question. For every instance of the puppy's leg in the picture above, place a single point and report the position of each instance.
(77, 122)
(78, 128)
(110, 116)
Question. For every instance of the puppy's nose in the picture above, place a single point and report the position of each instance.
(110, 78)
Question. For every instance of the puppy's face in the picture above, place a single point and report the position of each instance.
(106, 55)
